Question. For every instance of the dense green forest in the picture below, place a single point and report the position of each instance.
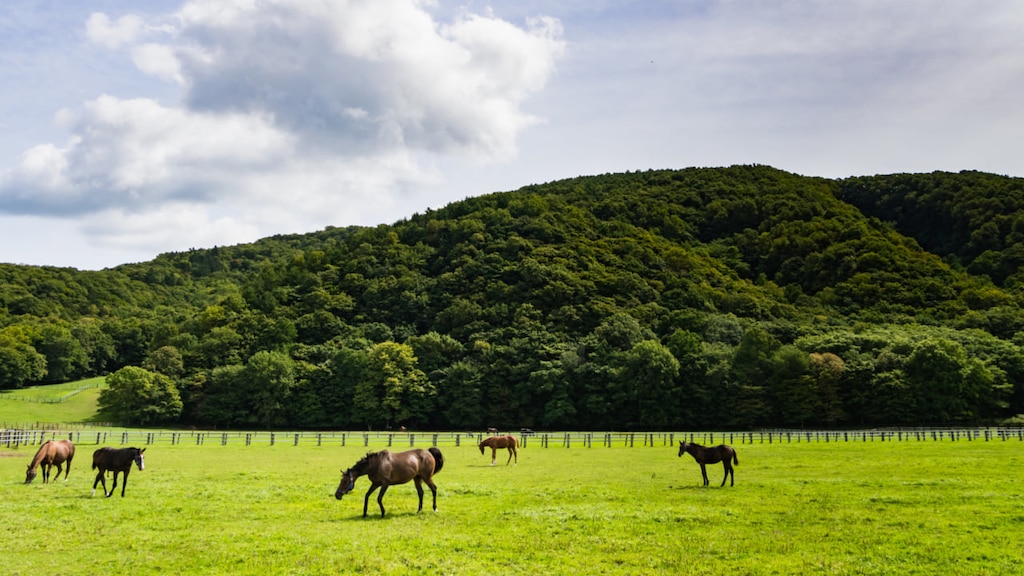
(724, 298)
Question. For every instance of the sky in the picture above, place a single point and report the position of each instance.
(129, 129)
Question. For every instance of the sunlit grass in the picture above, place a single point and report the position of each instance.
(836, 508)
(81, 407)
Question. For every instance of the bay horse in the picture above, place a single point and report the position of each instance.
(51, 453)
(712, 455)
(386, 468)
(116, 460)
(497, 442)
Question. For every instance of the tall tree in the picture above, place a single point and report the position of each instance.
(137, 396)
(395, 390)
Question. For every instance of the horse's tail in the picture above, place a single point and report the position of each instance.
(438, 459)
(735, 460)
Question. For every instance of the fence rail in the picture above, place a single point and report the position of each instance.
(11, 395)
(16, 437)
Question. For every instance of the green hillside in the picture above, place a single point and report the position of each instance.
(728, 297)
(55, 403)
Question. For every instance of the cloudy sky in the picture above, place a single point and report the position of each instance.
(128, 129)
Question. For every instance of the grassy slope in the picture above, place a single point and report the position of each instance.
(836, 508)
(78, 408)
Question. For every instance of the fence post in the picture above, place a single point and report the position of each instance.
(296, 440)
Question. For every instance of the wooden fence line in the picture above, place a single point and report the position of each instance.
(44, 400)
(14, 438)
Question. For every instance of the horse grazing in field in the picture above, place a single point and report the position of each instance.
(51, 453)
(385, 468)
(497, 442)
(115, 460)
(712, 455)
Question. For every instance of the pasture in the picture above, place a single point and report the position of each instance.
(71, 402)
(912, 507)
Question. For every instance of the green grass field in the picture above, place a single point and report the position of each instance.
(17, 408)
(811, 508)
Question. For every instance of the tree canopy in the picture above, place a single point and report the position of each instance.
(728, 298)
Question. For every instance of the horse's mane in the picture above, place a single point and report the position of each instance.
(41, 453)
(365, 462)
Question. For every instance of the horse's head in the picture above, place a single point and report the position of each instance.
(140, 460)
(682, 448)
(30, 475)
(481, 447)
(348, 483)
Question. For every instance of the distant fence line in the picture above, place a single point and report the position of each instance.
(13, 438)
(43, 400)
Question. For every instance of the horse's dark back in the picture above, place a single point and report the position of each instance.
(712, 455)
(386, 468)
(118, 461)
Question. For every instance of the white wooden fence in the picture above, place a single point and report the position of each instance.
(16, 437)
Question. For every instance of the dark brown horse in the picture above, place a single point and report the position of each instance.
(115, 460)
(51, 453)
(385, 468)
(497, 442)
(712, 455)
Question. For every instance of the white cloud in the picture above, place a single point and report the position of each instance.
(101, 30)
(158, 60)
(292, 115)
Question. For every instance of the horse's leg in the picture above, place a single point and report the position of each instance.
(380, 498)
(433, 490)
(419, 491)
(124, 481)
(726, 477)
(100, 478)
(59, 468)
(704, 473)
(494, 455)
(510, 452)
(366, 500)
(46, 472)
(112, 486)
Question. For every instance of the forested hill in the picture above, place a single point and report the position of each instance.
(702, 298)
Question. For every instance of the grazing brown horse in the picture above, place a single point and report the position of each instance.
(385, 468)
(115, 460)
(51, 453)
(712, 455)
(497, 442)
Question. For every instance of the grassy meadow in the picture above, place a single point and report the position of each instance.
(810, 508)
(24, 407)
